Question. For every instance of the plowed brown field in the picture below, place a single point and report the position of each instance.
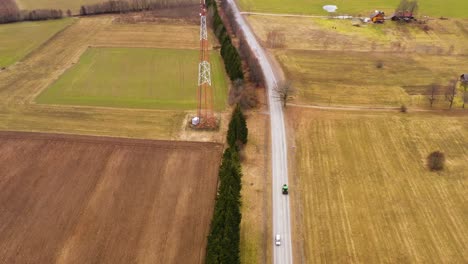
(77, 199)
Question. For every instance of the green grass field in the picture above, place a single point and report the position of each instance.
(19, 39)
(447, 8)
(366, 195)
(136, 78)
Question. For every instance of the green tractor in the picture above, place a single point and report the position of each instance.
(285, 189)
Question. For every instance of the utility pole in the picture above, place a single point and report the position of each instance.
(205, 117)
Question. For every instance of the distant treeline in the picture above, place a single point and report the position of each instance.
(123, 6)
(9, 12)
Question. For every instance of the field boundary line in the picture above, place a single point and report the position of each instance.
(365, 108)
(121, 141)
(283, 15)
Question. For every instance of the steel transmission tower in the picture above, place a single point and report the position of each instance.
(205, 113)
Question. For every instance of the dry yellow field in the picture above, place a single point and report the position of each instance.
(149, 36)
(22, 82)
(332, 62)
(364, 194)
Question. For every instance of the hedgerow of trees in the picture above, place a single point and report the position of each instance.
(224, 238)
(231, 57)
(255, 70)
(123, 6)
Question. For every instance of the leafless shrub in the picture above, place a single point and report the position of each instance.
(436, 161)
(255, 70)
(451, 92)
(464, 85)
(451, 49)
(379, 64)
(403, 109)
(243, 95)
(433, 91)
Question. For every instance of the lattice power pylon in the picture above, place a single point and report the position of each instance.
(204, 91)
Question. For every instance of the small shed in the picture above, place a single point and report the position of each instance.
(464, 77)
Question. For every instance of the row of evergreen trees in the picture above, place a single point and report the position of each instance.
(224, 238)
(232, 59)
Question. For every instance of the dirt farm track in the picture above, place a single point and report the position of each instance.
(80, 199)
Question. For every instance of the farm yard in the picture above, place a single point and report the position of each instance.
(435, 8)
(365, 193)
(28, 36)
(136, 78)
(331, 62)
(105, 200)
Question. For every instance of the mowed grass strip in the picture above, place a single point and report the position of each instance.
(447, 8)
(136, 78)
(366, 194)
(19, 39)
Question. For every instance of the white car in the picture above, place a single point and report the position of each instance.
(277, 240)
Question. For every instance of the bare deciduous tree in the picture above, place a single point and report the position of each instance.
(451, 92)
(255, 71)
(407, 6)
(284, 90)
(276, 39)
(433, 91)
(464, 84)
(242, 94)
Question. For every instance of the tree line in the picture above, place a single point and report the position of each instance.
(9, 13)
(224, 238)
(123, 6)
(455, 88)
(254, 68)
(231, 57)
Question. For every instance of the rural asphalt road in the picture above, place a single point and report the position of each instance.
(281, 211)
